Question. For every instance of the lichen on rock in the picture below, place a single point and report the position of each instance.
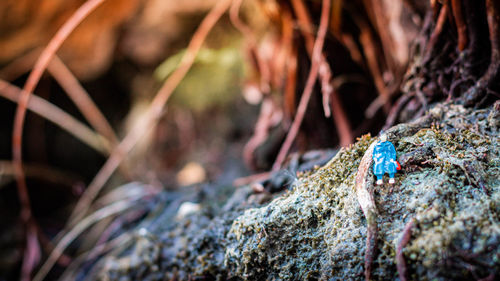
(449, 188)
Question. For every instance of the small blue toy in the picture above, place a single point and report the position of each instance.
(384, 156)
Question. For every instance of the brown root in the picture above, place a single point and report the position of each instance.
(400, 259)
(463, 40)
(365, 198)
(488, 83)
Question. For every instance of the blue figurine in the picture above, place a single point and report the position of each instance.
(384, 156)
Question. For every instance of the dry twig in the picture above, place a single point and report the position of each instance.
(71, 271)
(85, 104)
(57, 116)
(32, 249)
(82, 99)
(75, 91)
(41, 172)
(70, 84)
(66, 240)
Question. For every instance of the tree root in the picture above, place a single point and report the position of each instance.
(459, 58)
(365, 199)
(438, 30)
(463, 39)
(364, 192)
(488, 83)
(477, 26)
(400, 258)
(308, 89)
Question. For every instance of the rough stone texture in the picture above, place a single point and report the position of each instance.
(316, 230)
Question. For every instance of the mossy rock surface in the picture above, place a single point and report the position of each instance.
(315, 229)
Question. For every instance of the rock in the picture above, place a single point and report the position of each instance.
(316, 229)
